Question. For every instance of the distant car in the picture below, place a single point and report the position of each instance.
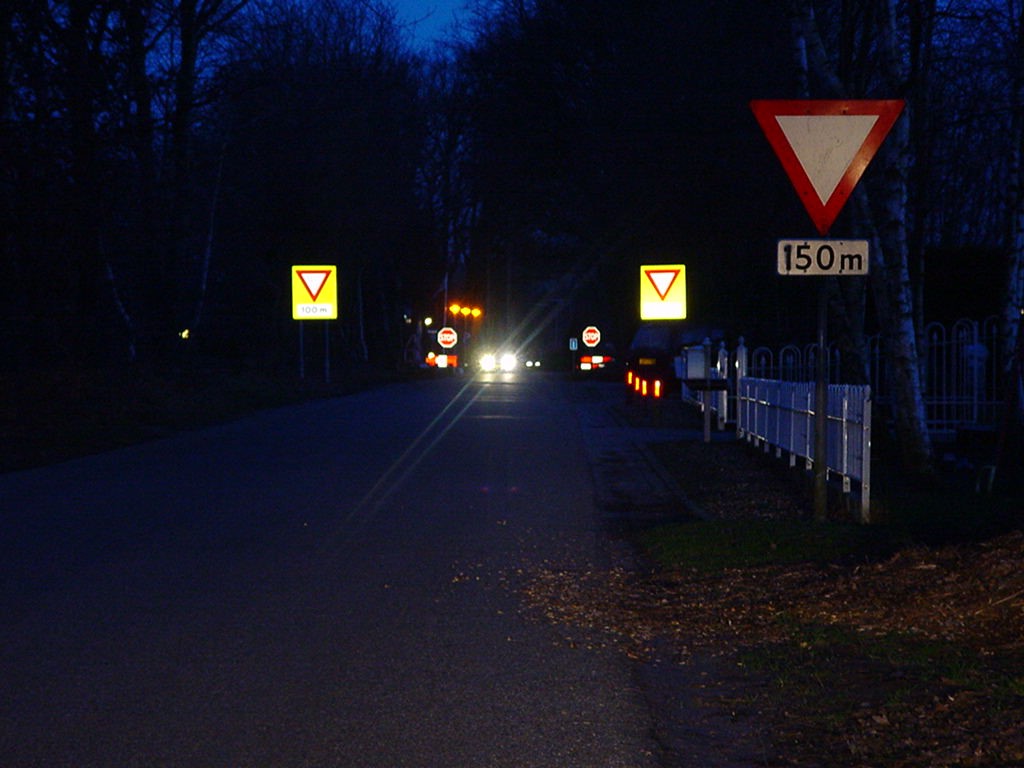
(601, 361)
(655, 346)
(530, 360)
(503, 361)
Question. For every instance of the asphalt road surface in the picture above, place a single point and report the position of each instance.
(333, 584)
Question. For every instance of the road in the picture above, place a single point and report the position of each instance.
(332, 584)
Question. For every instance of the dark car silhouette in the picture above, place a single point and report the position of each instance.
(652, 353)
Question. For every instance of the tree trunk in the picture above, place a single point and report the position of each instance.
(364, 351)
(894, 299)
(890, 276)
(80, 334)
(1013, 306)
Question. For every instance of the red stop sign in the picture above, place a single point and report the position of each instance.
(447, 337)
(591, 336)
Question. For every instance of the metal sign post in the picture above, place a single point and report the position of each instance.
(314, 297)
(327, 354)
(822, 258)
(820, 407)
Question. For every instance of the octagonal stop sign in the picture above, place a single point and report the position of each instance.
(591, 336)
(447, 337)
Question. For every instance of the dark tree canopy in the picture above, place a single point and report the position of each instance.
(620, 132)
(164, 162)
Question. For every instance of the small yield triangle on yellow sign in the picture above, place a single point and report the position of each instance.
(314, 292)
(663, 292)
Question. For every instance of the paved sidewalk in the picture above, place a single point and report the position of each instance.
(630, 484)
(694, 705)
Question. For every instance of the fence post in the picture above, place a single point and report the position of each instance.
(706, 394)
(741, 360)
(723, 396)
(865, 452)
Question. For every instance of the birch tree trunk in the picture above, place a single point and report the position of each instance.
(894, 297)
(886, 222)
(909, 413)
(1012, 352)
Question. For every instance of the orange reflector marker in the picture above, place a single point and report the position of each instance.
(629, 378)
(657, 388)
(643, 388)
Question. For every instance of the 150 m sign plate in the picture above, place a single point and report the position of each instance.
(823, 257)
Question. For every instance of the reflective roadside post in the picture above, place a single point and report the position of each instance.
(706, 395)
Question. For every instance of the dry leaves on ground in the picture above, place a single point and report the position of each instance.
(917, 660)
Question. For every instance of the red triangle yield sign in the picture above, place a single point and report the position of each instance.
(662, 280)
(314, 280)
(824, 146)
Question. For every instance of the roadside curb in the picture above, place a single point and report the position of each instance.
(631, 485)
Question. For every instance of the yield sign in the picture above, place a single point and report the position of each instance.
(313, 280)
(825, 146)
(314, 292)
(663, 292)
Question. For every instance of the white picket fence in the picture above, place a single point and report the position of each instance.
(771, 395)
(780, 415)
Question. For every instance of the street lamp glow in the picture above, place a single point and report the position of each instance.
(465, 311)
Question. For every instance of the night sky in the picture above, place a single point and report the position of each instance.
(430, 18)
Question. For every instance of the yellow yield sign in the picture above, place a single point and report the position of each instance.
(663, 292)
(315, 292)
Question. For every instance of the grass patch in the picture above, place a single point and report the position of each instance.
(898, 655)
(728, 480)
(946, 512)
(875, 695)
(714, 545)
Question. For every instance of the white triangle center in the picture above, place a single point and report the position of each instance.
(826, 145)
(662, 281)
(314, 282)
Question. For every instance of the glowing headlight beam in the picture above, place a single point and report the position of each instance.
(393, 478)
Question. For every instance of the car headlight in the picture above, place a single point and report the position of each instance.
(508, 362)
(488, 362)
